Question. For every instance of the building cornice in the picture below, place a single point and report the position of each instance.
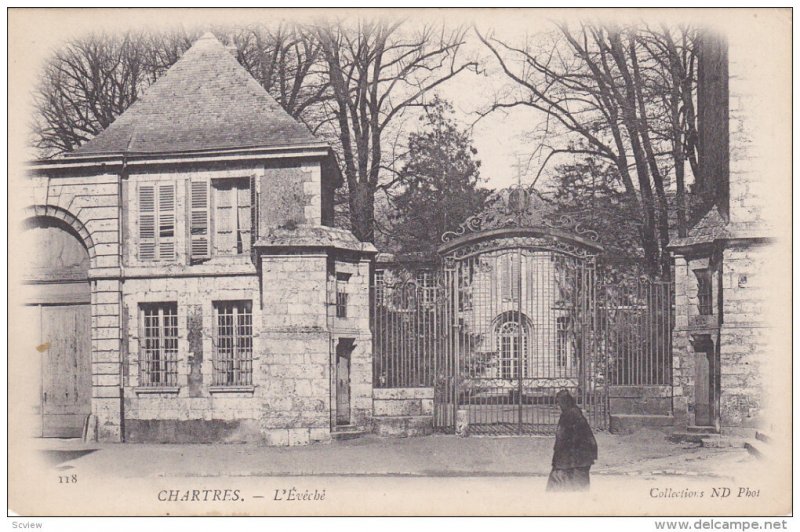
(109, 161)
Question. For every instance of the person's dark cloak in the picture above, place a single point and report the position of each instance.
(574, 452)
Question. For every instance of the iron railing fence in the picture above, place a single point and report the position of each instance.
(407, 333)
(635, 332)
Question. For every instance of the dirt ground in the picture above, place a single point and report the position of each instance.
(644, 453)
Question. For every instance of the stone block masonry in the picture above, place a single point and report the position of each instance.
(720, 358)
(210, 309)
(403, 412)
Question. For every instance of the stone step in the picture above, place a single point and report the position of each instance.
(755, 448)
(347, 435)
(347, 428)
(701, 429)
(689, 437)
(723, 442)
(763, 436)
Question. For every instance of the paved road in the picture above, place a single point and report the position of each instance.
(646, 452)
(370, 475)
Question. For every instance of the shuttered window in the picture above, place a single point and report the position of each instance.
(147, 223)
(232, 216)
(198, 220)
(156, 223)
(166, 222)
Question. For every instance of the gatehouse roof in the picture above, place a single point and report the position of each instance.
(206, 101)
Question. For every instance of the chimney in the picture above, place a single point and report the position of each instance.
(713, 183)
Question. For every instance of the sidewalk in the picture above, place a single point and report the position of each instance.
(643, 453)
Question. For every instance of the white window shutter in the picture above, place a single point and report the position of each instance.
(253, 212)
(243, 217)
(200, 248)
(166, 222)
(147, 223)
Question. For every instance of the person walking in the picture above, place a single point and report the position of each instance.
(575, 449)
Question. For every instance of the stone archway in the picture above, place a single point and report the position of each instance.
(58, 309)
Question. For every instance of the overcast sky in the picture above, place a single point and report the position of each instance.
(499, 137)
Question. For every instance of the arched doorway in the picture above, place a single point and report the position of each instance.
(57, 305)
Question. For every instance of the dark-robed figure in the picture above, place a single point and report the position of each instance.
(575, 450)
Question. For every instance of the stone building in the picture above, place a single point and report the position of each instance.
(721, 329)
(190, 285)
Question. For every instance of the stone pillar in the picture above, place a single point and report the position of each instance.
(295, 348)
(299, 330)
(680, 344)
(106, 349)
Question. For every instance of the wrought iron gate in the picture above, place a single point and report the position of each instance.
(512, 314)
(520, 310)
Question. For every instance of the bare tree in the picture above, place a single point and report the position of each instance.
(84, 87)
(377, 72)
(609, 88)
(675, 82)
(288, 62)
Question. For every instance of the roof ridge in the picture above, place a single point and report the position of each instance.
(206, 100)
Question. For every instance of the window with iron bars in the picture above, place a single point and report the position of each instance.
(704, 292)
(233, 343)
(341, 294)
(158, 363)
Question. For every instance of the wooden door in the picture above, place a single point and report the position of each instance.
(704, 384)
(342, 383)
(66, 369)
(58, 305)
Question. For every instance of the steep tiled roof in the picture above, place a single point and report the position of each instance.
(710, 228)
(205, 101)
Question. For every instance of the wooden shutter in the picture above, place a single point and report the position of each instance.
(147, 223)
(253, 212)
(244, 222)
(166, 222)
(200, 248)
(224, 218)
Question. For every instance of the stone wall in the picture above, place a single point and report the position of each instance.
(690, 326)
(195, 411)
(744, 336)
(651, 400)
(290, 194)
(741, 259)
(403, 411)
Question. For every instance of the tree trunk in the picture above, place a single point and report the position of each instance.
(362, 211)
